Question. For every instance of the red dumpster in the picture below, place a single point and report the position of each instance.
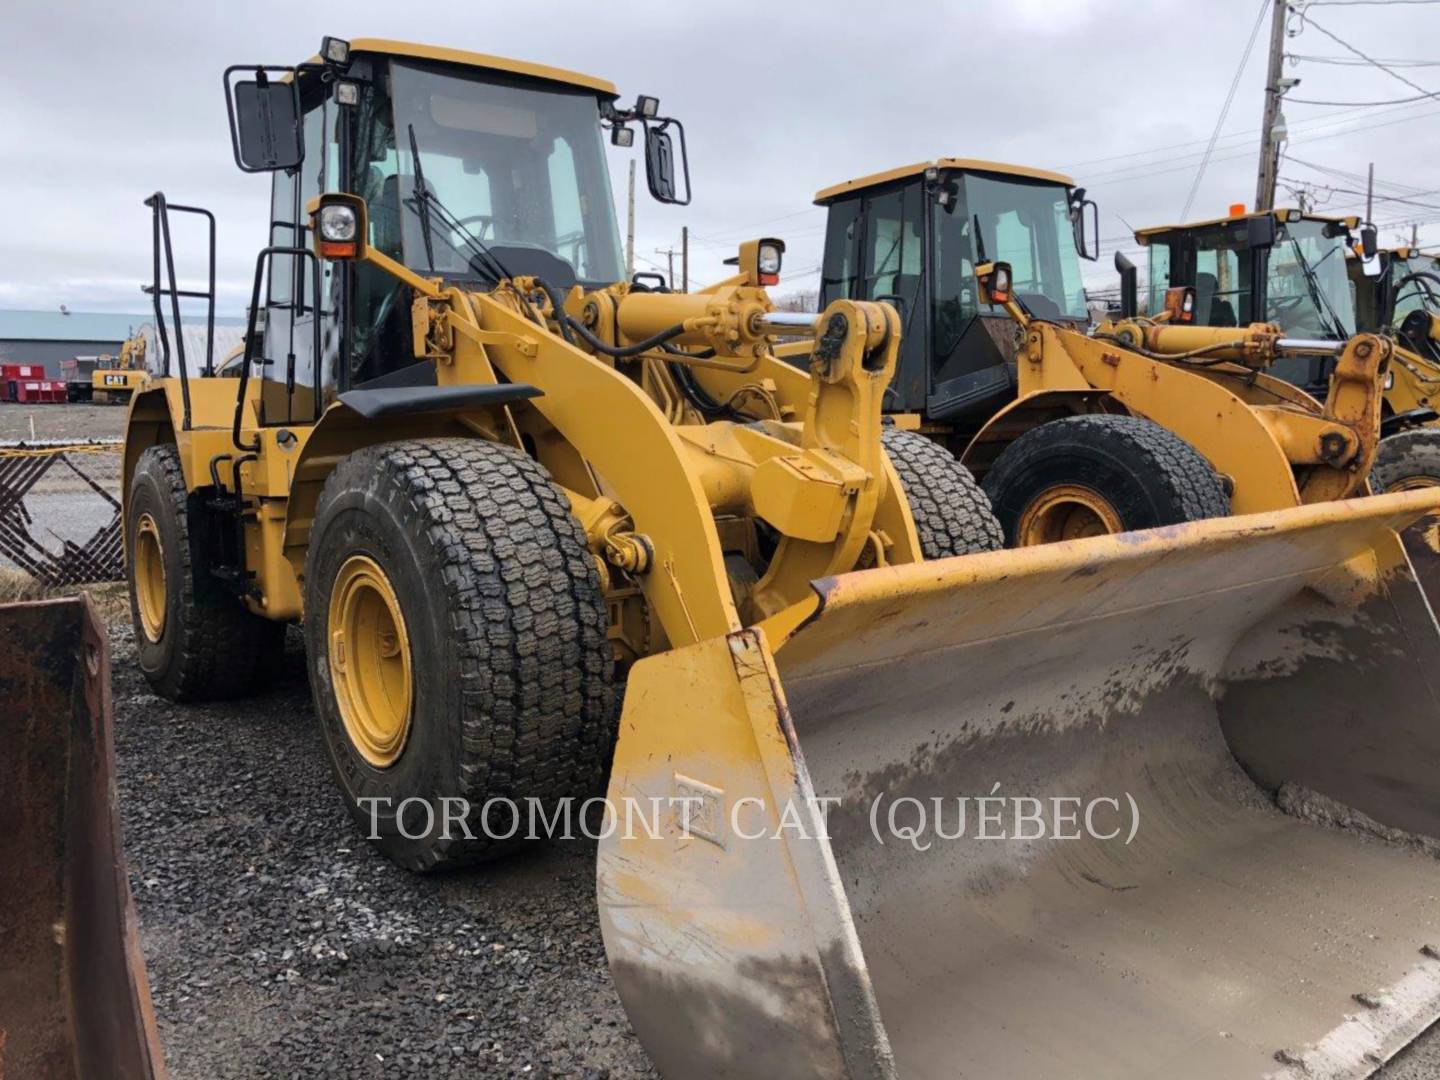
(38, 391)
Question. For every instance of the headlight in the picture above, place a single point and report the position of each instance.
(648, 107)
(335, 50)
(769, 260)
(1000, 282)
(337, 223)
(622, 136)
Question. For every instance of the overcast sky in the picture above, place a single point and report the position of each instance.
(102, 103)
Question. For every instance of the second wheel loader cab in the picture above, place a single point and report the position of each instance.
(913, 236)
(1147, 422)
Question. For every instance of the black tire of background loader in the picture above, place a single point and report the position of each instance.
(512, 670)
(1149, 475)
(952, 515)
(212, 646)
(1408, 456)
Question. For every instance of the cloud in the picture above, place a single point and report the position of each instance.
(779, 100)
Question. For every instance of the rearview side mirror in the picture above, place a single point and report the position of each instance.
(1369, 240)
(1087, 229)
(1129, 286)
(660, 162)
(265, 131)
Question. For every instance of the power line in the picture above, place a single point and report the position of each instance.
(1345, 174)
(1147, 169)
(1351, 61)
(1366, 3)
(1225, 109)
(1300, 132)
(1362, 104)
(1351, 48)
(1377, 198)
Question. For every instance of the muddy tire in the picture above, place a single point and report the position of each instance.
(494, 603)
(1091, 475)
(194, 640)
(1408, 460)
(952, 515)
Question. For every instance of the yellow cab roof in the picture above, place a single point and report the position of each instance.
(962, 164)
(388, 47)
(1144, 236)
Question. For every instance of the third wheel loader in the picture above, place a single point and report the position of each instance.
(509, 495)
(1151, 422)
(1320, 276)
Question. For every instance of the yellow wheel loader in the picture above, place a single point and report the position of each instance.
(494, 483)
(1150, 422)
(484, 473)
(1321, 276)
(1403, 300)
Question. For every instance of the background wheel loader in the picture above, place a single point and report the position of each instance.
(1403, 300)
(1309, 274)
(492, 482)
(1148, 423)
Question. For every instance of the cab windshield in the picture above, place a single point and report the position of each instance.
(1027, 224)
(508, 165)
(1422, 291)
(1307, 288)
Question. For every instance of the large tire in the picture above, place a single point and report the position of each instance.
(1408, 460)
(510, 692)
(952, 515)
(1091, 475)
(195, 641)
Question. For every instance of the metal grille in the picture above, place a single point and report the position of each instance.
(60, 511)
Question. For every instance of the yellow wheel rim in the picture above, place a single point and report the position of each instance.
(1067, 512)
(1413, 483)
(149, 577)
(370, 661)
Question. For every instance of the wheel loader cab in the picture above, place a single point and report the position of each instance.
(1283, 267)
(1403, 297)
(914, 236)
(512, 162)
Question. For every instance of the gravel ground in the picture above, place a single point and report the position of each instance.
(280, 945)
(75, 421)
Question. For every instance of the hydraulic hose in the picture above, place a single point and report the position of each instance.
(621, 352)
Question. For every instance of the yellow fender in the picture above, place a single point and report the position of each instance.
(1215, 421)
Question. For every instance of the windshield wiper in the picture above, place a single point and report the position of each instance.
(1331, 321)
(422, 200)
(427, 203)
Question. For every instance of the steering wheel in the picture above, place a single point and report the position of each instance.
(1286, 304)
(486, 222)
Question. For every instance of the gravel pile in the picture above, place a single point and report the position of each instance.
(280, 945)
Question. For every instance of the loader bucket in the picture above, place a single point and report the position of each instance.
(1261, 899)
(74, 1002)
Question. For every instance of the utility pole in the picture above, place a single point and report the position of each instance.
(669, 254)
(1370, 195)
(1414, 234)
(1269, 144)
(684, 258)
(630, 228)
